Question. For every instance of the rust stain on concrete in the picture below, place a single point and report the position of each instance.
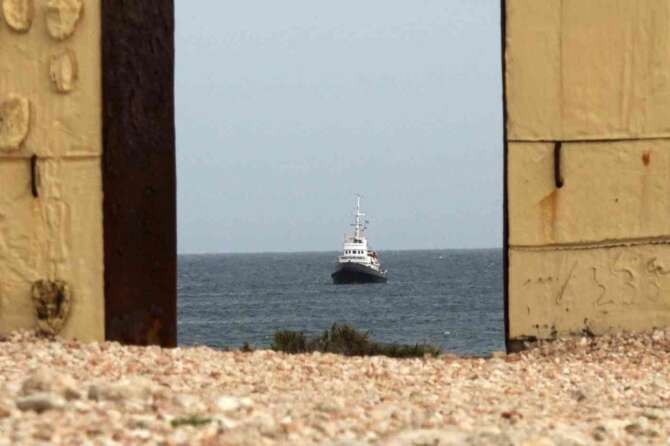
(549, 206)
(646, 158)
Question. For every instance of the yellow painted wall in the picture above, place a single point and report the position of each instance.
(593, 254)
(587, 69)
(50, 57)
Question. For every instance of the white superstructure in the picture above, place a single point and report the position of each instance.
(356, 245)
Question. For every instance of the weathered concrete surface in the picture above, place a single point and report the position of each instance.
(594, 69)
(58, 235)
(611, 191)
(14, 122)
(62, 17)
(18, 14)
(63, 71)
(560, 292)
(587, 86)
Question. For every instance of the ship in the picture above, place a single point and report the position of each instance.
(358, 263)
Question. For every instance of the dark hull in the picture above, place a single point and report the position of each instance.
(354, 273)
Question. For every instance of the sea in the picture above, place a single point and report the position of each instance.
(449, 298)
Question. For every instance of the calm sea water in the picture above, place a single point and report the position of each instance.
(450, 298)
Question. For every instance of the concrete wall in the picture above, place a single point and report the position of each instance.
(588, 165)
(50, 107)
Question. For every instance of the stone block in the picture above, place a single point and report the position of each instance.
(611, 191)
(561, 292)
(594, 69)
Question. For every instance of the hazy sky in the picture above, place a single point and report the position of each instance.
(286, 109)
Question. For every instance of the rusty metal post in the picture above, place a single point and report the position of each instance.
(505, 222)
(138, 168)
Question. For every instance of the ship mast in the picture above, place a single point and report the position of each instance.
(358, 225)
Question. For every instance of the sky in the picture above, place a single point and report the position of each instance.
(287, 109)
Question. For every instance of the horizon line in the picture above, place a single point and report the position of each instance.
(332, 250)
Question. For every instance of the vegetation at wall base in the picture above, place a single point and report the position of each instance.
(288, 341)
(345, 340)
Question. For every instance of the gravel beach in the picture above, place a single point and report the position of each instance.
(609, 390)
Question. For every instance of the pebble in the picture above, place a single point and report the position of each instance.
(134, 388)
(40, 402)
(658, 335)
(228, 404)
(429, 437)
(46, 380)
(609, 390)
(5, 409)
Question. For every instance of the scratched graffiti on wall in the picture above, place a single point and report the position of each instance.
(588, 290)
(625, 279)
